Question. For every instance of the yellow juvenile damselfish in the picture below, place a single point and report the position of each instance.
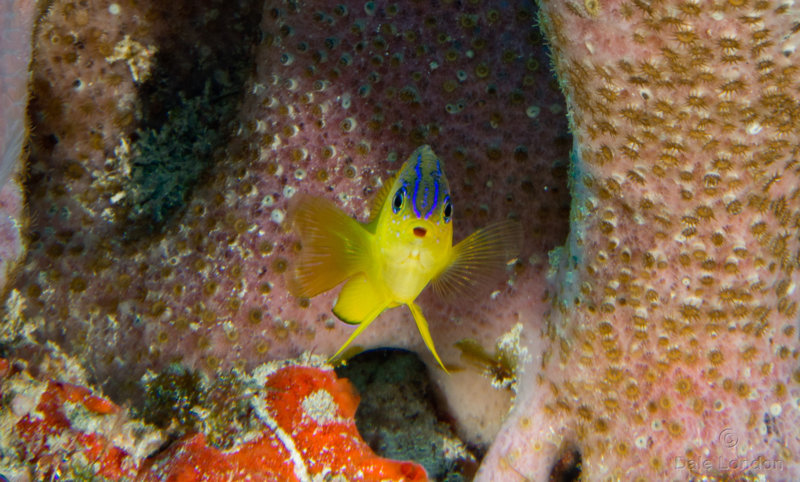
(406, 244)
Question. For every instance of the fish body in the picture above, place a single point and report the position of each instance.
(406, 245)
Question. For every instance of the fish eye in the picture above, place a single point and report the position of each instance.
(397, 202)
(448, 209)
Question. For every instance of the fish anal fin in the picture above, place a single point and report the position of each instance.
(334, 245)
(478, 261)
(422, 326)
(359, 302)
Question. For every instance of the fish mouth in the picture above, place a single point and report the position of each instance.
(420, 232)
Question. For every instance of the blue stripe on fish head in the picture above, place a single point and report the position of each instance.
(417, 180)
(428, 184)
(424, 171)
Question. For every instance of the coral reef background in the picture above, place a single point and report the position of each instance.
(673, 335)
(168, 138)
(159, 231)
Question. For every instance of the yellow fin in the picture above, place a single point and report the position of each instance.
(335, 246)
(376, 205)
(359, 302)
(479, 260)
(358, 299)
(422, 326)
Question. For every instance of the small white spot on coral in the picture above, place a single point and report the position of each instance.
(277, 216)
(775, 409)
(117, 197)
(289, 191)
(753, 128)
(114, 9)
(287, 58)
(320, 407)
(137, 56)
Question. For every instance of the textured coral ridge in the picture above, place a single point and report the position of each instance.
(312, 436)
(55, 428)
(340, 95)
(307, 431)
(673, 338)
(16, 29)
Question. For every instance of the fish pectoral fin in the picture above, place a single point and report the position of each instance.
(479, 261)
(334, 245)
(422, 325)
(359, 302)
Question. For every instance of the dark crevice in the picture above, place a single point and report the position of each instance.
(204, 57)
(399, 414)
(568, 465)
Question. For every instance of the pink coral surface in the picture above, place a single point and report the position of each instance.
(672, 341)
(669, 343)
(339, 96)
(16, 30)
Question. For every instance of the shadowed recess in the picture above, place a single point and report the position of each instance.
(187, 103)
(398, 415)
(567, 467)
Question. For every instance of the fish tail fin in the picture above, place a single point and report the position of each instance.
(334, 245)
(359, 302)
(422, 325)
(479, 260)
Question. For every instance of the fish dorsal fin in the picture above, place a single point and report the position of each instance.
(334, 245)
(376, 205)
(478, 262)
